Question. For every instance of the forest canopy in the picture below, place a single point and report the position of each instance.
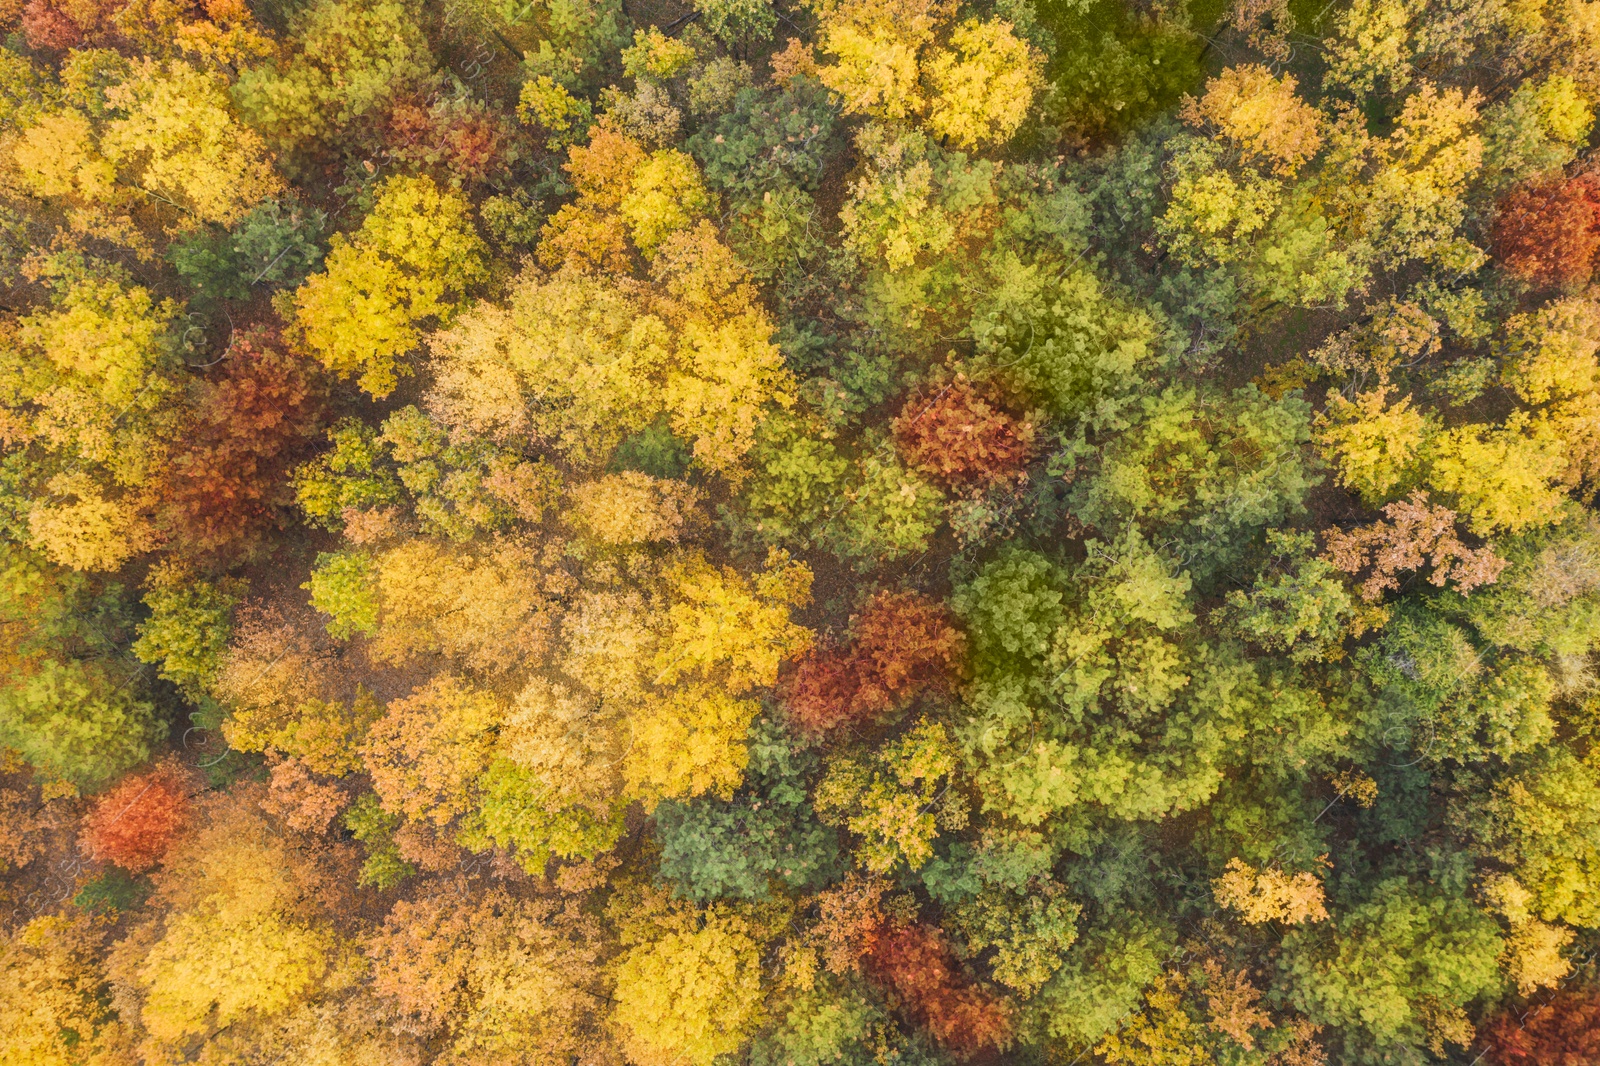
(799, 532)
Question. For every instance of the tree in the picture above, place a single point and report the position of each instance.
(1396, 970)
(691, 992)
(231, 891)
(428, 750)
(52, 1006)
(713, 849)
(1374, 444)
(509, 980)
(223, 485)
(635, 508)
(188, 628)
(982, 87)
(1562, 1031)
(1416, 534)
(413, 259)
(1261, 115)
(1547, 232)
(1270, 895)
(915, 961)
(355, 58)
(82, 721)
(179, 138)
(963, 438)
(903, 645)
(135, 823)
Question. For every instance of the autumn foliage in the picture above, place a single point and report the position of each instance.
(902, 645)
(1413, 534)
(915, 963)
(960, 437)
(135, 823)
(1564, 1031)
(1547, 232)
(228, 478)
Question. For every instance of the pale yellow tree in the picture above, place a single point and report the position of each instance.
(980, 88)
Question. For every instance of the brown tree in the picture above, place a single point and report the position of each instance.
(1564, 1031)
(135, 823)
(960, 437)
(902, 646)
(1547, 232)
(223, 484)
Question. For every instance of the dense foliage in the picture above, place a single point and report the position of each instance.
(799, 532)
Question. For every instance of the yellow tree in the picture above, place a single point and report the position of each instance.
(982, 85)
(176, 137)
(412, 260)
(233, 932)
(689, 988)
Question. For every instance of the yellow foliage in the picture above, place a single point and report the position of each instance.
(112, 335)
(724, 629)
(1262, 116)
(688, 743)
(1270, 895)
(1162, 1034)
(875, 69)
(575, 744)
(57, 157)
(1550, 354)
(634, 508)
(983, 85)
(688, 996)
(239, 938)
(569, 362)
(261, 965)
(1533, 956)
(1503, 478)
(88, 531)
(1374, 447)
(665, 194)
(412, 259)
(426, 753)
(181, 142)
(491, 608)
(51, 1007)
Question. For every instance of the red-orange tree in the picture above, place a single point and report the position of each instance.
(961, 438)
(223, 484)
(133, 824)
(902, 645)
(1547, 232)
(1562, 1032)
(915, 963)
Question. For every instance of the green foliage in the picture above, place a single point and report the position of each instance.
(82, 721)
(188, 628)
(374, 827)
(767, 833)
(1396, 968)
(769, 140)
(1207, 472)
(342, 588)
(517, 813)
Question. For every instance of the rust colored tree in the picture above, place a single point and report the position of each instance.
(461, 140)
(902, 645)
(914, 962)
(1547, 232)
(222, 488)
(1562, 1032)
(960, 437)
(133, 824)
